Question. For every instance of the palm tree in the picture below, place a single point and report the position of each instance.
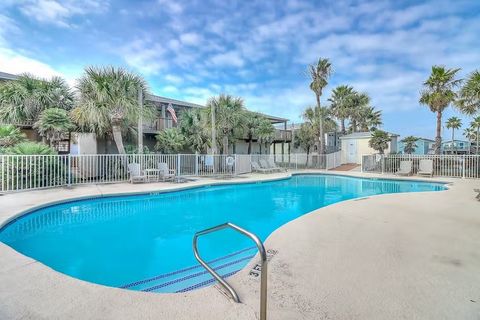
(359, 104)
(108, 102)
(170, 140)
(10, 135)
(24, 99)
(313, 116)
(252, 125)
(469, 95)
(379, 141)
(409, 144)
(341, 104)
(319, 74)
(53, 124)
(475, 125)
(369, 119)
(265, 133)
(438, 93)
(454, 123)
(31, 148)
(192, 124)
(229, 113)
(305, 138)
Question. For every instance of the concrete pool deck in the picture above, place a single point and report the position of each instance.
(393, 256)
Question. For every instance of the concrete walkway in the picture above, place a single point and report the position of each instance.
(398, 256)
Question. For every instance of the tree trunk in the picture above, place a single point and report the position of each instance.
(354, 125)
(321, 149)
(308, 152)
(225, 145)
(249, 144)
(342, 125)
(478, 138)
(438, 138)
(453, 141)
(117, 137)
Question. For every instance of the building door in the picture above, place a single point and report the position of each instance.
(352, 151)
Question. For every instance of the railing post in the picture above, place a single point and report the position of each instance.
(361, 163)
(296, 161)
(463, 167)
(69, 171)
(178, 164)
(196, 164)
(235, 164)
(383, 163)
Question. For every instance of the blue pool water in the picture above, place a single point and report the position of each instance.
(144, 242)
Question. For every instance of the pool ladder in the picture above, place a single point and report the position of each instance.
(263, 256)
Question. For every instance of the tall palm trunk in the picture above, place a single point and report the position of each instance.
(478, 139)
(225, 145)
(453, 141)
(321, 148)
(117, 137)
(342, 125)
(354, 125)
(250, 143)
(438, 138)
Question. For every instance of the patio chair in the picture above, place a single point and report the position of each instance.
(274, 166)
(265, 165)
(136, 173)
(405, 168)
(425, 168)
(257, 168)
(164, 172)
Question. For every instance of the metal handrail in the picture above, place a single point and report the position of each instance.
(225, 285)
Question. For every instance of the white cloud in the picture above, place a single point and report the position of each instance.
(145, 56)
(190, 38)
(231, 58)
(171, 6)
(59, 12)
(173, 78)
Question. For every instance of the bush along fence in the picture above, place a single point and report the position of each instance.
(457, 166)
(27, 172)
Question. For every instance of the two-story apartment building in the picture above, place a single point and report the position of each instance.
(88, 143)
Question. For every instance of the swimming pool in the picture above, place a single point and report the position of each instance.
(144, 242)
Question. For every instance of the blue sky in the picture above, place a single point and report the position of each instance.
(258, 50)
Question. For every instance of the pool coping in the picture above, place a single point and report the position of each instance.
(209, 291)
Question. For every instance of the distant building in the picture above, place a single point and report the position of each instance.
(354, 145)
(457, 147)
(424, 146)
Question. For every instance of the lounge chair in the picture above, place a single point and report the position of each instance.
(274, 166)
(425, 168)
(405, 168)
(266, 166)
(136, 173)
(257, 168)
(164, 172)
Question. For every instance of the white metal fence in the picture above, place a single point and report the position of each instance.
(458, 166)
(24, 172)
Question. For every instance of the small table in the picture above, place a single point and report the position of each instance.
(152, 174)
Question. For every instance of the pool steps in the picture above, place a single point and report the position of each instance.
(194, 277)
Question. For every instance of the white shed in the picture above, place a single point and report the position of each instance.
(355, 145)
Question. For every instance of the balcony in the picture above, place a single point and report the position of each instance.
(283, 135)
(158, 125)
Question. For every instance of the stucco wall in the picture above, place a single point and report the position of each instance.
(363, 148)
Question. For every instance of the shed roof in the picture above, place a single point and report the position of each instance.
(363, 135)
